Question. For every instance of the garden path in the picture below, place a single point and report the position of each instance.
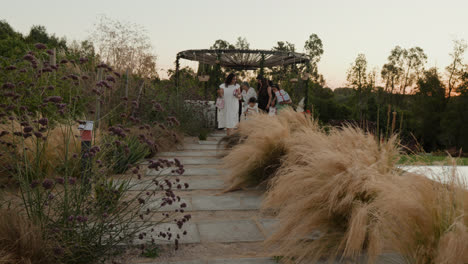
(225, 228)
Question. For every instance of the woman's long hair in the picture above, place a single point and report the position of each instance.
(262, 86)
(229, 79)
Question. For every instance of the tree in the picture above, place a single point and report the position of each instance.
(357, 76)
(125, 46)
(242, 44)
(284, 46)
(455, 69)
(428, 108)
(222, 44)
(39, 34)
(413, 64)
(404, 66)
(391, 74)
(314, 48)
(12, 43)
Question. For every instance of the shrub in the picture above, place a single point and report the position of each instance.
(262, 147)
(125, 153)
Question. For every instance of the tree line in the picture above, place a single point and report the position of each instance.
(428, 107)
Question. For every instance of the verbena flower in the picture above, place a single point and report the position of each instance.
(27, 129)
(29, 57)
(60, 180)
(72, 180)
(47, 184)
(38, 134)
(34, 184)
(8, 85)
(43, 121)
(40, 46)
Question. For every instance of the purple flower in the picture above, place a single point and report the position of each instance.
(29, 57)
(110, 79)
(81, 219)
(38, 134)
(27, 129)
(54, 99)
(10, 68)
(64, 61)
(71, 218)
(40, 46)
(72, 181)
(50, 196)
(43, 121)
(84, 77)
(34, 184)
(58, 251)
(83, 60)
(117, 74)
(59, 180)
(3, 133)
(47, 184)
(73, 77)
(50, 52)
(8, 85)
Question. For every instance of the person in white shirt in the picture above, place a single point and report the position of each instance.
(247, 93)
(282, 98)
(251, 109)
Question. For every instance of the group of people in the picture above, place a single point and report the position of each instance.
(237, 102)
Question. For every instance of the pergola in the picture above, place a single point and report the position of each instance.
(237, 59)
(243, 59)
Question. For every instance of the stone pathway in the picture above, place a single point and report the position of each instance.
(225, 228)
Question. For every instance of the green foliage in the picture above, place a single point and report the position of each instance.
(203, 134)
(125, 153)
(151, 251)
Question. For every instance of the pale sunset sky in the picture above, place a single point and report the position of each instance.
(346, 27)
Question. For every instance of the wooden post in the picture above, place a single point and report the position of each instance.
(126, 84)
(393, 121)
(53, 58)
(98, 100)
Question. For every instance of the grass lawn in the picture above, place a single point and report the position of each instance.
(430, 160)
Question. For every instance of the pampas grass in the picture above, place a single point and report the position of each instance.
(425, 220)
(46, 156)
(21, 242)
(263, 145)
(326, 184)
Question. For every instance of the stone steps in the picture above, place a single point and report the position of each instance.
(199, 153)
(222, 222)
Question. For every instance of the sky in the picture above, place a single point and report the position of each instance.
(346, 27)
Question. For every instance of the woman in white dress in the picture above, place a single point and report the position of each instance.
(231, 94)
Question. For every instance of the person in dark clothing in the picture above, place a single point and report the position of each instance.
(264, 94)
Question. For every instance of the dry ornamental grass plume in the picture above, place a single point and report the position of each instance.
(325, 184)
(426, 221)
(262, 147)
(21, 242)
